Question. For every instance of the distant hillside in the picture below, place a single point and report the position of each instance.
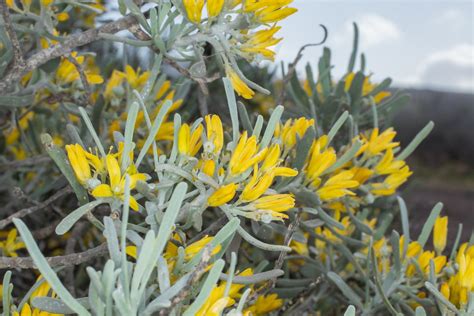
(453, 136)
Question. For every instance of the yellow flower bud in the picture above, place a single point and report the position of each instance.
(214, 7)
(444, 289)
(440, 233)
(222, 195)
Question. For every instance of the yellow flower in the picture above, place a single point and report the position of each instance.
(424, 263)
(193, 249)
(245, 154)
(239, 85)
(46, 3)
(11, 4)
(392, 182)
(62, 16)
(367, 88)
(319, 160)
(214, 7)
(361, 174)
(275, 202)
(115, 80)
(215, 133)
(163, 89)
(216, 302)
(272, 161)
(42, 291)
(11, 245)
(208, 167)
(388, 165)
(440, 234)
(131, 251)
(413, 250)
(80, 165)
(189, 144)
(264, 305)
(257, 185)
(117, 183)
(222, 195)
(260, 41)
(269, 11)
(134, 78)
(194, 9)
(292, 130)
(444, 289)
(378, 143)
(67, 71)
(338, 186)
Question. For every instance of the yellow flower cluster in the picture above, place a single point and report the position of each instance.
(233, 172)
(248, 40)
(92, 171)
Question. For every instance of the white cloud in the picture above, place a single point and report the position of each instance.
(452, 68)
(374, 29)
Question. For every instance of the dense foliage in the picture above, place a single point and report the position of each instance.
(122, 195)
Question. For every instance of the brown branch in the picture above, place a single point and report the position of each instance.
(292, 67)
(58, 261)
(30, 210)
(25, 162)
(17, 53)
(64, 48)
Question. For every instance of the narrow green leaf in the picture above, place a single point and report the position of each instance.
(232, 104)
(244, 118)
(154, 130)
(426, 231)
(345, 289)
(350, 311)
(355, 46)
(59, 157)
(440, 297)
(337, 125)
(6, 293)
(272, 123)
(46, 271)
(128, 138)
(345, 158)
(416, 141)
(66, 223)
(92, 131)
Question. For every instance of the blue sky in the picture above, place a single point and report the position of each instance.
(426, 44)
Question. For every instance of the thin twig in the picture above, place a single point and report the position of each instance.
(30, 210)
(193, 279)
(292, 66)
(58, 261)
(288, 238)
(64, 48)
(76, 235)
(17, 53)
(44, 232)
(211, 230)
(281, 258)
(202, 102)
(25, 162)
(83, 77)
